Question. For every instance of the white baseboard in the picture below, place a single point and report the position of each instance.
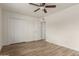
(63, 45)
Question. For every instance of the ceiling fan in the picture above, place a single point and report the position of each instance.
(42, 6)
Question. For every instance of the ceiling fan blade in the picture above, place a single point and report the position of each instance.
(37, 10)
(50, 6)
(33, 4)
(45, 11)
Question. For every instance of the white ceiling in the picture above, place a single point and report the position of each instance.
(25, 8)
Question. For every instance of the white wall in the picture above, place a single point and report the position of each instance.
(0, 28)
(63, 28)
(20, 28)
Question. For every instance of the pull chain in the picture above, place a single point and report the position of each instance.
(43, 29)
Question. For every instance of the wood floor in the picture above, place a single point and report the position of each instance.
(37, 48)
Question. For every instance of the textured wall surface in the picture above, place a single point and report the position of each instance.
(63, 28)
